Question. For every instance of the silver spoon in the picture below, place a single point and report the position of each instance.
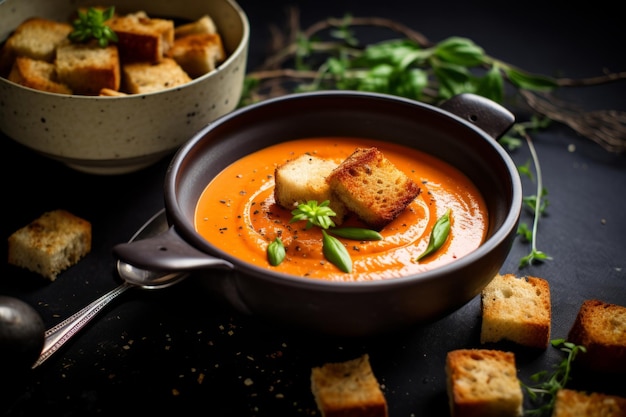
(56, 336)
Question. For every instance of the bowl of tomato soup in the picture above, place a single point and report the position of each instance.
(220, 198)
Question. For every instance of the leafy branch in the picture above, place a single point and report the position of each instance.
(547, 385)
(327, 54)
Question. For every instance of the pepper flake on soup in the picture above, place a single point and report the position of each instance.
(373, 210)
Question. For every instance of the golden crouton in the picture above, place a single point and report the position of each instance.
(203, 25)
(304, 179)
(40, 75)
(198, 54)
(600, 327)
(88, 68)
(35, 38)
(372, 187)
(348, 388)
(144, 77)
(517, 309)
(50, 244)
(141, 38)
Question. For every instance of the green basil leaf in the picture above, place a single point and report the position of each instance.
(356, 233)
(336, 253)
(492, 85)
(276, 252)
(530, 81)
(460, 51)
(438, 236)
(510, 142)
(393, 52)
(453, 79)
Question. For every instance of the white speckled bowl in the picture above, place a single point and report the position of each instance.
(117, 135)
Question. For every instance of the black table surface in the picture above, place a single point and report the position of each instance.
(180, 350)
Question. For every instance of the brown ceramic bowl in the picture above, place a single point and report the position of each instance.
(117, 135)
(342, 308)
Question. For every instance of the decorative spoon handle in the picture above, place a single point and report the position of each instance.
(56, 336)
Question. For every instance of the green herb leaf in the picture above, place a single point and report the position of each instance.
(534, 256)
(356, 233)
(90, 25)
(438, 236)
(492, 85)
(509, 142)
(526, 171)
(453, 79)
(531, 201)
(315, 214)
(460, 51)
(276, 252)
(336, 253)
(529, 81)
(525, 232)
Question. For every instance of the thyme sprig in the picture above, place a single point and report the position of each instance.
(546, 384)
(90, 24)
(538, 202)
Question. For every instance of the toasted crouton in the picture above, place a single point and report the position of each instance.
(203, 25)
(601, 328)
(483, 382)
(36, 74)
(572, 403)
(87, 68)
(198, 54)
(304, 179)
(517, 310)
(36, 38)
(51, 243)
(143, 77)
(372, 187)
(348, 388)
(141, 38)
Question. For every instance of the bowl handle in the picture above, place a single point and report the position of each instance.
(485, 114)
(167, 252)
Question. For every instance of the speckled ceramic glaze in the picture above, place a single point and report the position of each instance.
(116, 135)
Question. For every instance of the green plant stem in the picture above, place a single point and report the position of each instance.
(539, 176)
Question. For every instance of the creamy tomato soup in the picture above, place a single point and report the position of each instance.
(237, 213)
